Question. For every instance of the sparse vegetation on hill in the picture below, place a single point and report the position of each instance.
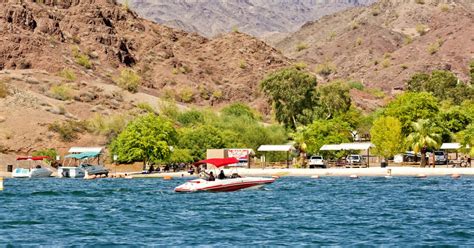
(3, 89)
(129, 80)
(61, 92)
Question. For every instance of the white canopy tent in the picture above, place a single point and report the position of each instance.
(450, 146)
(278, 148)
(77, 149)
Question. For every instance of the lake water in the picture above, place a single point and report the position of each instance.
(401, 211)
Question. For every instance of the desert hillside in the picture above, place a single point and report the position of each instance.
(260, 18)
(64, 61)
(384, 44)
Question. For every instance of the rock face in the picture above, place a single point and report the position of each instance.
(53, 36)
(260, 18)
(382, 45)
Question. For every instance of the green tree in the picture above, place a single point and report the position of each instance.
(199, 139)
(190, 118)
(239, 110)
(334, 99)
(50, 152)
(321, 132)
(410, 107)
(466, 138)
(180, 156)
(471, 71)
(148, 138)
(442, 84)
(386, 135)
(293, 94)
(423, 137)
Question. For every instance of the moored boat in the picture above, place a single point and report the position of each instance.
(38, 171)
(232, 183)
(85, 156)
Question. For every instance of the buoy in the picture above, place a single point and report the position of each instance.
(1, 183)
(276, 177)
(315, 177)
(455, 176)
(421, 176)
(167, 177)
(354, 176)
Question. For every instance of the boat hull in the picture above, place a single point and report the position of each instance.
(31, 173)
(225, 185)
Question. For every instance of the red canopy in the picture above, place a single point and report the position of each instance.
(218, 162)
(33, 158)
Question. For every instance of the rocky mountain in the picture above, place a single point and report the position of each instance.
(62, 60)
(260, 18)
(384, 44)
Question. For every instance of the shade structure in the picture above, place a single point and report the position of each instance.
(275, 148)
(330, 148)
(357, 146)
(85, 149)
(218, 162)
(450, 146)
(37, 158)
(83, 155)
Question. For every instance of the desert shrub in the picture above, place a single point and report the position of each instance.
(68, 131)
(420, 1)
(435, 46)
(129, 80)
(325, 69)
(126, 5)
(235, 29)
(242, 64)
(3, 89)
(67, 74)
(186, 95)
(146, 107)
(300, 65)
(354, 25)
(356, 85)
(376, 92)
(110, 126)
(444, 7)
(404, 67)
(61, 92)
(386, 63)
(421, 29)
(217, 94)
(81, 58)
(359, 41)
(301, 46)
(376, 11)
(407, 39)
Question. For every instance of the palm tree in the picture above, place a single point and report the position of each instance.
(422, 138)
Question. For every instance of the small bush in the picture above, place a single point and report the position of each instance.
(435, 46)
(404, 67)
(50, 152)
(356, 85)
(325, 69)
(81, 58)
(61, 92)
(354, 25)
(407, 40)
(3, 89)
(444, 7)
(420, 1)
(146, 107)
(300, 65)
(359, 41)
(375, 11)
(217, 94)
(386, 63)
(69, 130)
(242, 64)
(129, 80)
(68, 74)
(421, 29)
(376, 92)
(126, 5)
(186, 95)
(301, 47)
(235, 29)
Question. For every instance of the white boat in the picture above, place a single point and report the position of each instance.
(85, 167)
(233, 183)
(38, 171)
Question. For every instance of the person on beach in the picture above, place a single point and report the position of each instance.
(211, 177)
(221, 175)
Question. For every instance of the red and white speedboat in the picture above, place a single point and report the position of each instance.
(232, 183)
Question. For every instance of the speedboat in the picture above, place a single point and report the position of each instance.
(37, 172)
(234, 183)
(85, 167)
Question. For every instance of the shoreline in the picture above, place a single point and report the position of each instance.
(331, 172)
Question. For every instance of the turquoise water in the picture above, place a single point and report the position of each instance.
(293, 211)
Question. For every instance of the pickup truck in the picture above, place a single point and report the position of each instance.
(316, 161)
